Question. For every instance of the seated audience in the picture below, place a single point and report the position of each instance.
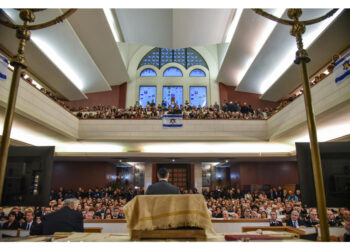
(225, 215)
(223, 202)
(12, 223)
(67, 219)
(246, 214)
(2, 214)
(332, 221)
(294, 220)
(273, 221)
(346, 236)
(29, 220)
(313, 220)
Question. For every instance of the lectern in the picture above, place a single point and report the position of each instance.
(168, 217)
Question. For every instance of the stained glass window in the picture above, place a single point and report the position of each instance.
(180, 56)
(197, 73)
(172, 71)
(198, 96)
(166, 56)
(186, 57)
(193, 58)
(151, 58)
(172, 95)
(148, 94)
(148, 72)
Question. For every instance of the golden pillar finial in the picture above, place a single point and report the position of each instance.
(297, 30)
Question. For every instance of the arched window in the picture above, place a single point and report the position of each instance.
(186, 57)
(194, 58)
(172, 71)
(151, 58)
(197, 73)
(148, 72)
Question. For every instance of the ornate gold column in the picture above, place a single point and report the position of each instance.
(18, 62)
(302, 58)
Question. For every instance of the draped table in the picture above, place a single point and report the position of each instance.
(167, 212)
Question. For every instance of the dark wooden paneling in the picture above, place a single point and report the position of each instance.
(235, 175)
(72, 175)
(274, 173)
(192, 175)
(154, 173)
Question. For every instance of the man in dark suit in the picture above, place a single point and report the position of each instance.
(332, 221)
(294, 220)
(29, 223)
(313, 220)
(273, 221)
(162, 187)
(67, 219)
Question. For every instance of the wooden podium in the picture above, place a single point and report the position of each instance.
(178, 234)
(173, 217)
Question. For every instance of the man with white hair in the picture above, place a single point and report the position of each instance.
(294, 220)
(67, 219)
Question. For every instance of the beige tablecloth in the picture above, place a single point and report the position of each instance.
(149, 212)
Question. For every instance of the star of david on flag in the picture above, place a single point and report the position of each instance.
(172, 120)
(342, 69)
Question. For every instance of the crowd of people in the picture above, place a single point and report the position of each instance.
(278, 205)
(315, 80)
(229, 110)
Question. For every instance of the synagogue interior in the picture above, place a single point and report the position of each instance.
(174, 124)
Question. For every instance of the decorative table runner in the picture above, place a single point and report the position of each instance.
(150, 212)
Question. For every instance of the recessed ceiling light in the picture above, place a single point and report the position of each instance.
(231, 30)
(62, 65)
(112, 24)
(258, 44)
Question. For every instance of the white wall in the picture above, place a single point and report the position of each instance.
(198, 130)
(33, 104)
(325, 95)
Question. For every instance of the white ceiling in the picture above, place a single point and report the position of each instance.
(35, 59)
(276, 51)
(86, 44)
(241, 48)
(333, 39)
(90, 26)
(174, 28)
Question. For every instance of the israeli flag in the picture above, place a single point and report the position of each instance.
(342, 69)
(3, 66)
(172, 120)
